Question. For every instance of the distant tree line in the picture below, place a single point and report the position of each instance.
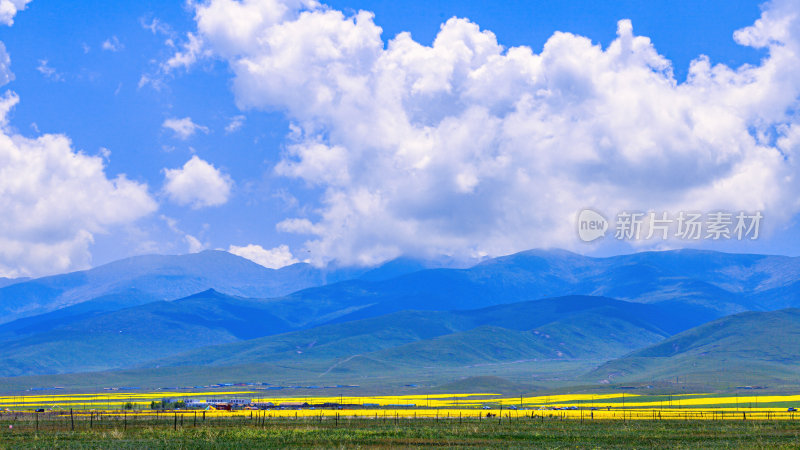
(166, 404)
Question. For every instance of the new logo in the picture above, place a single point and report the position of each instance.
(591, 225)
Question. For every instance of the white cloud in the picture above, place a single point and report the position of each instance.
(194, 244)
(112, 44)
(156, 26)
(467, 148)
(274, 258)
(192, 51)
(235, 124)
(6, 75)
(198, 184)
(322, 164)
(48, 71)
(54, 200)
(9, 9)
(183, 128)
(155, 82)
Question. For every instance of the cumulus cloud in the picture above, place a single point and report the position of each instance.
(9, 9)
(54, 200)
(465, 147)
(183, 128)
(274, 258)
(198, 184)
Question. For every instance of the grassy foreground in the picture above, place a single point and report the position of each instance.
(233, 432)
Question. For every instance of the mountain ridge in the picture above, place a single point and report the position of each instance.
(735, 344)
(422, 328)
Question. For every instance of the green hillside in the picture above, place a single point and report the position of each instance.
(598, 334)
(564, 327)
(746, 348)
(131, 336)
(327, 341)
(212, 329)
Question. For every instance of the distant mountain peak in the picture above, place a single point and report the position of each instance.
(209, 294)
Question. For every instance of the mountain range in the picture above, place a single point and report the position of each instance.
(543, 328)
(140, 279)
(616, 316)
(716, 283)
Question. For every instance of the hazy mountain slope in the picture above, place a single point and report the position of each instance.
(723, 282)
(45, 322)
(780, 297)
(162, 277)
(133, 335)
(751, 345)
(718, 282)
(394, 268)
(9, 281)
(437, 289)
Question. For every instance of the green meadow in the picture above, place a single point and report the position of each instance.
(237, 432)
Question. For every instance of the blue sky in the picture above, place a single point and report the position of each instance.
(97, 73)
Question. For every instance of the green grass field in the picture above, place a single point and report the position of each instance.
(238, 432)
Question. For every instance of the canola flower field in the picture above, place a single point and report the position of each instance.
(482, 420)
(611, 406)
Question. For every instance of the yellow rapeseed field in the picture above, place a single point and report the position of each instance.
(442, 406)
